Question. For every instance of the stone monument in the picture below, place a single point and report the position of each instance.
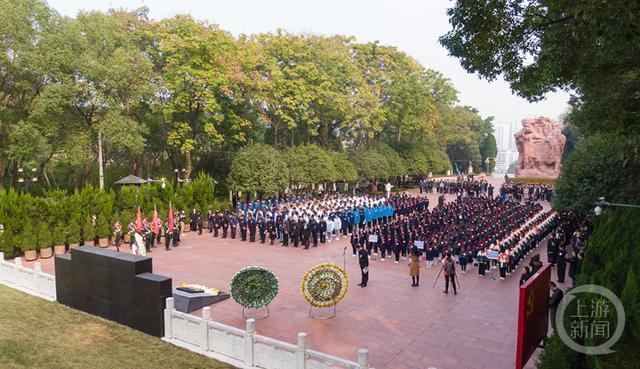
(540, 143)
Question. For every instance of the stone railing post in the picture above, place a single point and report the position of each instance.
(16, 278)
(37, 270)
(248, 342)
(204, 328)
(168, 318)
(301, 351)
(2, 276)
(363, 359)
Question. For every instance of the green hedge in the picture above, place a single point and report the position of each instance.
(534, 181)
(57, 217)
(611, 260)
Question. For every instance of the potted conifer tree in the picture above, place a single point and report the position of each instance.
(103, 230)
(58, 237)
(45, 241)
(28, 242)
(88, 232)
(73, 232)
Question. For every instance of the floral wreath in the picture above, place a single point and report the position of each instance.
(254, 287)
(324, 285)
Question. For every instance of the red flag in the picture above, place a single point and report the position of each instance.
(156, 228)
(170, 218)
(139, 220)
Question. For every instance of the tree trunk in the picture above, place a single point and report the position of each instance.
(399, 134)
(275, 136)
(188, 165)
(100, 161)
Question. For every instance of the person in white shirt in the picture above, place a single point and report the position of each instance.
(337, 226)
(387, 189)
(329, 229)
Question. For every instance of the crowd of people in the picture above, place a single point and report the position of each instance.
(463, 186)
(527, 192)
(476, 229)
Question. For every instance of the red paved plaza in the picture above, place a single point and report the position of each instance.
(402, 326)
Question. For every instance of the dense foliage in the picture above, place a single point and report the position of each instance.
(597, 168)
(590, 48)
(156, 96)
(57, 218)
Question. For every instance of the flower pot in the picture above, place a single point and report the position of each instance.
(103, 242)
(46, 252)
(74, 245)
(59, 249)
(30, 255)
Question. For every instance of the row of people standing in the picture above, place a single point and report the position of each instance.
(307, 228)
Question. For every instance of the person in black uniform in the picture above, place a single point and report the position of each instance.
(233, 223)
(449, 273)
(562, 263)
(313, 225)
(194, 220)
(210, 221)
(354, 242)
(552, 250)
(167, 236)
(262, 228)
(322, 229)
(306, 235)
(363, 260)
(554, 302)
(271, 229)
(252, 229)
(294, 230)
(225, 224)
(176, 232)
(217, 219)
(242, 223)
(200, 223)
(285, 233)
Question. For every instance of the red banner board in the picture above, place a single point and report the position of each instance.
(533, 314)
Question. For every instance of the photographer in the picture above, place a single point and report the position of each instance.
(449, 266)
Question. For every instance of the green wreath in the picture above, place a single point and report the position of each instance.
(324, 285)
(254, 287)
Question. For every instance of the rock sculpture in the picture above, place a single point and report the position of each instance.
(540, 143)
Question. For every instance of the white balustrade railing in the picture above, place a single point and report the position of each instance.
(32, 281)
(245, 348)
(242, 348)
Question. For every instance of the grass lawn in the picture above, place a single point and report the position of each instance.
(35, 333)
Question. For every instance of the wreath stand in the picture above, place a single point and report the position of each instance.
(264, 316)
(333, 314)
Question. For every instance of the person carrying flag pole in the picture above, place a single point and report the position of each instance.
(155, 227)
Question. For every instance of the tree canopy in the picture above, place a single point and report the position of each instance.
(150, 97)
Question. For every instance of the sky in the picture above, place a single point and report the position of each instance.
(413, 26)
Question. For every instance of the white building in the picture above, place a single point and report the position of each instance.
(506, 142)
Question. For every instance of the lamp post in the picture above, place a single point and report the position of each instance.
(601, 204)
(26, 178)
(163, 181)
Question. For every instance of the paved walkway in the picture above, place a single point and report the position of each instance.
(402, 326)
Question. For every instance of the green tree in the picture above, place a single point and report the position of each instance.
(590, 47)
(200, 90)
(345, 171)
(594, 169)
(369, 163)
(309, 164)
(489, 150)
(258, 168)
